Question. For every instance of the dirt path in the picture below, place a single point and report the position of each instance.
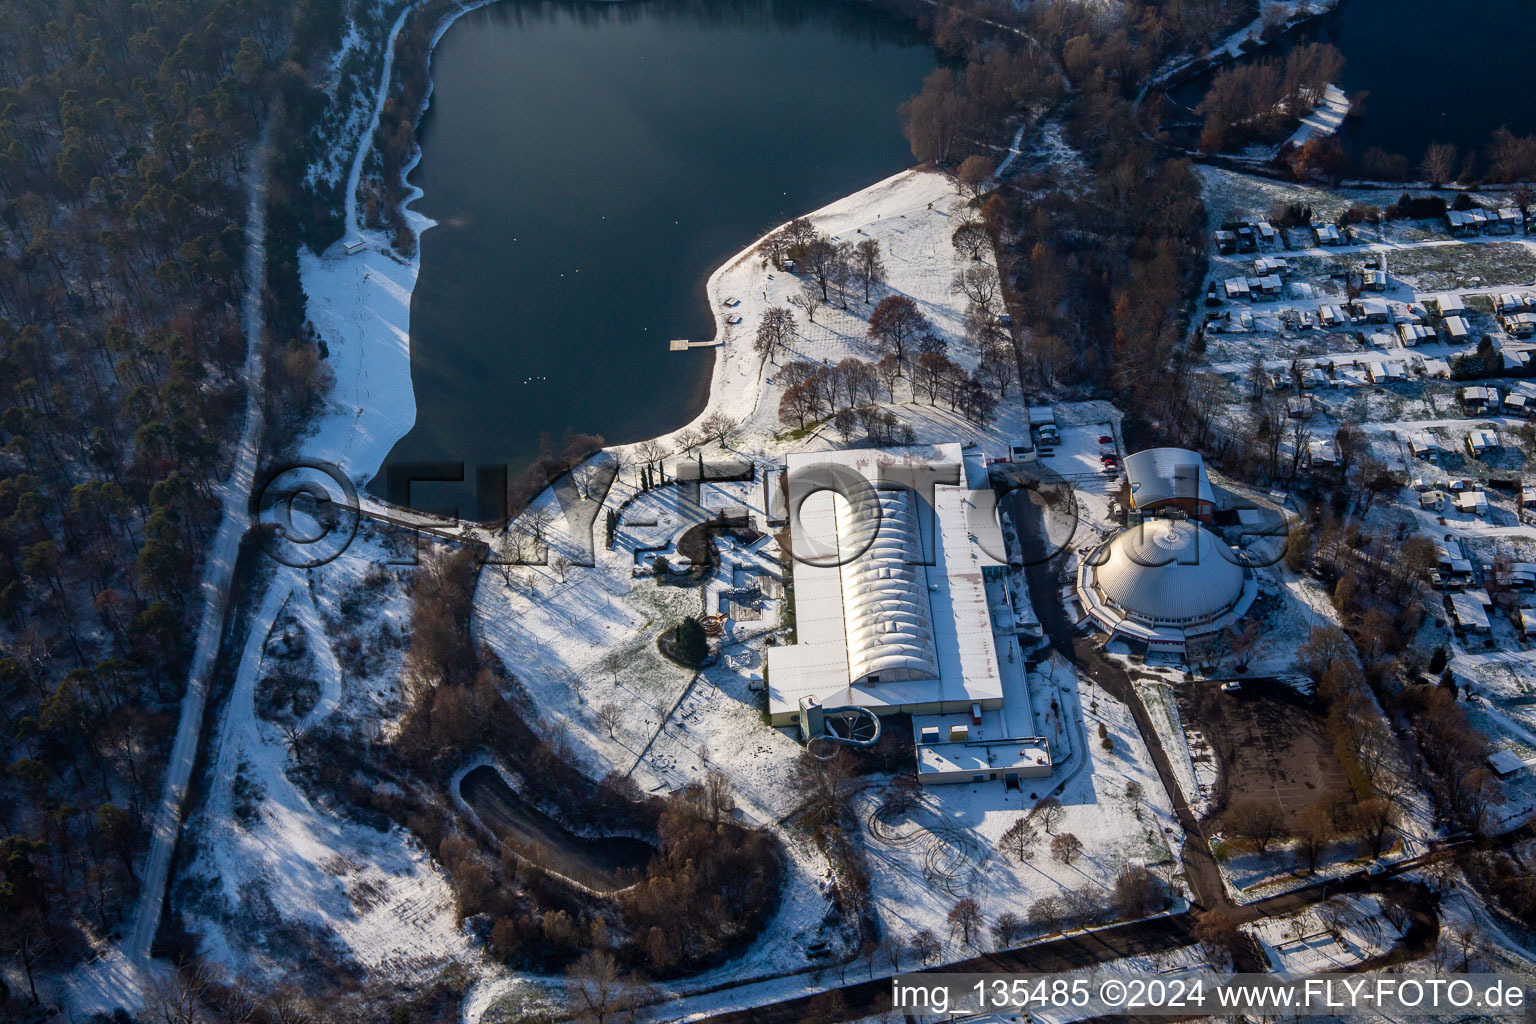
(217, 573)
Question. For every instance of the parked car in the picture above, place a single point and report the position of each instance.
(1106, 439)
(1231, 686)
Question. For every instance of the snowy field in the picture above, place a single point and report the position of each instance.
(320, 885)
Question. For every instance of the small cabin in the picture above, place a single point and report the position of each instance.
(1387, 371)
(1448, 304)
(1479, 398)
(1472, 503)
(1465, 222)
(1376, 311)
(1469, 613)
(1519, 325)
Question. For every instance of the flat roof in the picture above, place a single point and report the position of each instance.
(961, 537)
(1001, 755)
(1469, 611)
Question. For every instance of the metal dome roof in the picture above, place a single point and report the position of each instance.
(1169, 570)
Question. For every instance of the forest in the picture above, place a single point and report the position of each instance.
(128, 132)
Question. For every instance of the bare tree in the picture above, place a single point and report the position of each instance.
(774, 332)
(1439, 163)
(926, 945)
(561, 566)
(846, 422)
(888, 371)
(817, 257)
(1374, 819)
(1219, 931)
(965, 920)
(1259, 822)
(857, 380)
(868, 265)
(841, 272)
(890, 949)
(650, 452)
(1138, 892)
(1315, 831)
(1020, 839)
(1008, 927)
(971, 239)
(1135, 794)
(810, 297)
(177, 998)
(1066, 847)
(973, 178)
(1050, 813)
(1300, 438)
(979, 284)
(934, 117)
(609, 717)
(598, 991)
(717, 426)
(998, 369)
(895, 323)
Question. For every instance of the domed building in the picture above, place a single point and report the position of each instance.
(1169, 584)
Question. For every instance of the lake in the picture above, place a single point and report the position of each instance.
(1434, 71)
(589, 165)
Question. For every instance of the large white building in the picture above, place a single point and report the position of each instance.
(901, 605)
(1169, 584)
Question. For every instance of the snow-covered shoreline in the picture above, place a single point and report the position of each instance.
(360, 304)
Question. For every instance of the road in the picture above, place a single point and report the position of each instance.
(1068, 953)
(1199, 864)
(218, 570)
(1086, 949)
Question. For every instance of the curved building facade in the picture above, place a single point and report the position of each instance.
(1166, 583)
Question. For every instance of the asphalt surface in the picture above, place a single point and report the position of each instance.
(1068, 953)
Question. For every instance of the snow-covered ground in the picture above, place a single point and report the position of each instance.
(1328, 937)
(587, 640)
(265, 854)
(1325, 118)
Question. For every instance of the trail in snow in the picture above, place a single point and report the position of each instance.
(1013, 153)
(217, 573)
(365, 142)
(118, 976)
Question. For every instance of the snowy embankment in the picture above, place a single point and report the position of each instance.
(1327, 116)
(266, 853)
(359, 294)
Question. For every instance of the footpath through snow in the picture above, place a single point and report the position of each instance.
(117, 977)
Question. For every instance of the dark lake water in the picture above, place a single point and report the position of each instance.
(1436, 71)
(589, 165)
